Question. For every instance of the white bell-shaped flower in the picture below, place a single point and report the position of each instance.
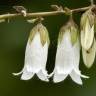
(68, 55)
(36, 54)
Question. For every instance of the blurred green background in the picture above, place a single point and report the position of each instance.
(13, 39)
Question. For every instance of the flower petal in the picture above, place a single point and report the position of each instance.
(59, 77)
(76, 57)
(76, 78)
(43, 75)
(36, 55)
(87, 36)
(64, 55)
(76, 50)
(27, 75)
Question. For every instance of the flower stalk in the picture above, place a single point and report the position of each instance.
(42, 14)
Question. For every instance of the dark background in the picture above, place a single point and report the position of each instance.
(13, 39)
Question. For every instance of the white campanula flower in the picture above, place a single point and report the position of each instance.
(36, 54)
(68, 55)
(87, 28)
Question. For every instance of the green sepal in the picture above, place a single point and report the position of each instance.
(44, 36)
(69, 27)
(74, 34)
(60, 37)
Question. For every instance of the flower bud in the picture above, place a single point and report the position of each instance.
(89, 55)
(87, 28)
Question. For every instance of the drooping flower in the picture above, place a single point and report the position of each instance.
(68, 54)
(36, 54)
(88, 24)
(89, 55)
(87, 28)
